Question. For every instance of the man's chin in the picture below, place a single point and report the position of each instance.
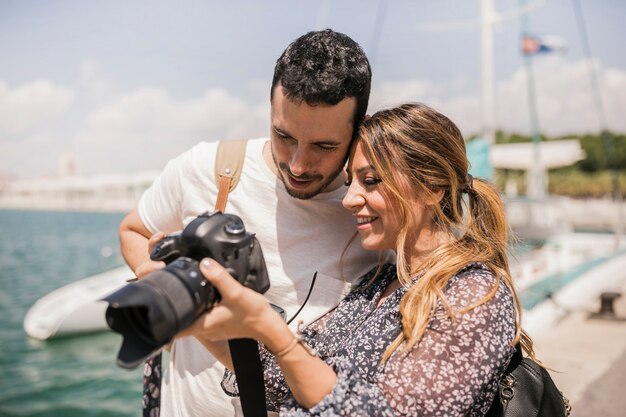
(303, 194)
(319, 185)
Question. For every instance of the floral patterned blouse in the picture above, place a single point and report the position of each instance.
(453, 371)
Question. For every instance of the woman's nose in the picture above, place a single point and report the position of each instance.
(353, 198)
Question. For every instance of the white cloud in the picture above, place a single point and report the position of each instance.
(33, 155)
(390, 93)
(566, 102)
(463, 109)
(614, 97)
(93, 83)
(564, 98)
(140, 110)
(147, 127)
(30, 105)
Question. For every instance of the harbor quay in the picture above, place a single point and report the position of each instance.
(585, 350)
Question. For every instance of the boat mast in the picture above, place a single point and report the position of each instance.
(536, 188)
(487, 20)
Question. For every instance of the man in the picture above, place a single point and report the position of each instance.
(289, 194)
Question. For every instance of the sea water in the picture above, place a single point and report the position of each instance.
(73, 376)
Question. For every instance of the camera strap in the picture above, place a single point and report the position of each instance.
(249, 373)
(229, 161)
(228, 166)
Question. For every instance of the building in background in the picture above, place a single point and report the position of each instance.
(99, 193)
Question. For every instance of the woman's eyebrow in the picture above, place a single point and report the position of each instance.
(365, 168)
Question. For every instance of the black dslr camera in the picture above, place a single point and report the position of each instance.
(150, 312)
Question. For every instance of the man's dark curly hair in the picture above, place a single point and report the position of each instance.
(324, 67)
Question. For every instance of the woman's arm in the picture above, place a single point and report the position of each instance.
(453, 371)
(243, 312)
(456, 367)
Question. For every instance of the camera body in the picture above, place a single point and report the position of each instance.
(150, 312)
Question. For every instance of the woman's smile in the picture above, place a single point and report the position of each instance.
(365, 222)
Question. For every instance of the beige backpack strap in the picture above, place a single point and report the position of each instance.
(228, 165)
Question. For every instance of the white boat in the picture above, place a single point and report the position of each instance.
(75, 308)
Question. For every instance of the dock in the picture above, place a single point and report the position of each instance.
(586, 355)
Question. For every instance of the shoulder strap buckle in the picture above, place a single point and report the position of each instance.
(228, 166)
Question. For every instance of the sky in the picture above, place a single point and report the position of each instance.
(125, 86)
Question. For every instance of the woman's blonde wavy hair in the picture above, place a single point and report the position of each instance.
(413, 145)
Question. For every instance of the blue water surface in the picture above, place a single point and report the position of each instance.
(74, 376)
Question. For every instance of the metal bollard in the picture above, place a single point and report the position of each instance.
(607, 307)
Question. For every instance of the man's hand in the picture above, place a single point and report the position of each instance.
(150, 265)
(137, 242)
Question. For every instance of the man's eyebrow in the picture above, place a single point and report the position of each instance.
(280, 131)
(327, 142)
(323, 142)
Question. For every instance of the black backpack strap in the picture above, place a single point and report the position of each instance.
(249, 373)
(516, 359)
(497, 409)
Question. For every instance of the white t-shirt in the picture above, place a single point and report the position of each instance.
(298, 238)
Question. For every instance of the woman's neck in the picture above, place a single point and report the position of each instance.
(425, 244)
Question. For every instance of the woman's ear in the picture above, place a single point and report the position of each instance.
(434, 198)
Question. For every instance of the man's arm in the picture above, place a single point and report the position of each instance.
(136, 243)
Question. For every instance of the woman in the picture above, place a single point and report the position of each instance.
(431, 335)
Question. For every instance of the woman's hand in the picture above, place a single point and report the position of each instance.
(242, 312)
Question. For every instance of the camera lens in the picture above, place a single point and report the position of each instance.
(137, 319)
(150, 312)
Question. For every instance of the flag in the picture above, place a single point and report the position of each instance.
(532, 44)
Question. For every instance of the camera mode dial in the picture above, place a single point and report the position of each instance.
(235, 229)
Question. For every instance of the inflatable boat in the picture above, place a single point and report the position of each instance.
(75, 308)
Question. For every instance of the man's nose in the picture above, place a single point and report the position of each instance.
(300, 161)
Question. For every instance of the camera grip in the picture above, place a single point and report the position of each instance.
(167, 249)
